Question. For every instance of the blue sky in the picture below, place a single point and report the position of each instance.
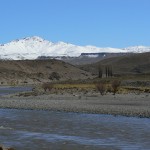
(103, 23)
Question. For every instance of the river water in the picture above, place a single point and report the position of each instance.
(12, 90)
(47, 130)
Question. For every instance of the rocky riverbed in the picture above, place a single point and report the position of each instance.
(121, 104)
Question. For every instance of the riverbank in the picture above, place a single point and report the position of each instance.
(120, 104)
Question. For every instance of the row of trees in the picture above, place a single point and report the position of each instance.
(108, 71)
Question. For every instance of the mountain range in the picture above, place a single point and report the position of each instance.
(34, 47)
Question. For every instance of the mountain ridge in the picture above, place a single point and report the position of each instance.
(34, 47)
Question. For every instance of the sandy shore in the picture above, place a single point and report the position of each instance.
(121, 104)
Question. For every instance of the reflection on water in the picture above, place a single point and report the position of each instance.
(12, 90)
(36, 130)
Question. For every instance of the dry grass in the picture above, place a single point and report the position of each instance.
(70, 86)
(90, 87)
(137, 89)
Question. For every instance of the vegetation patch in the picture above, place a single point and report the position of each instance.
(101, 87)
(54, 76)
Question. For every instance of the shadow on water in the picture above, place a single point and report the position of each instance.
(31, 129)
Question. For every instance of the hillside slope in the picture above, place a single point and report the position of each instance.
(37, 71)
(132, 64)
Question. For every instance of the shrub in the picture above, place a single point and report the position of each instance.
(47, 86)
(109, 89)
(115, 85)
(54, 75)
(101, 88)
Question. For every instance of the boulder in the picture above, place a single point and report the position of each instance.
(4, 148)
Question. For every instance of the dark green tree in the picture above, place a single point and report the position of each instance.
(100, 72)
(106, 71)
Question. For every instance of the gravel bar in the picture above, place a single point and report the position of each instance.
(120, 104)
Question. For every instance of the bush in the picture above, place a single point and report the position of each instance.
(47, 86)
(115, 86)
(109, 89)
(54, 75)
(101, 88)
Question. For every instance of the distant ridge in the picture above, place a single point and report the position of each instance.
(129, 64)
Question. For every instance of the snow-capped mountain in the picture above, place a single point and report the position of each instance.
(137, 49)
(34, 47)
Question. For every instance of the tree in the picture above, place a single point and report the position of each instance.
(100, 72)
(110, 74)
(106, 71)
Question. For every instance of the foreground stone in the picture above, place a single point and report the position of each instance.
(4, 148)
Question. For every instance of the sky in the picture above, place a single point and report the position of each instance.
(102, 23)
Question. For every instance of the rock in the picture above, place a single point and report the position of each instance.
(11, 148)
(4, 148)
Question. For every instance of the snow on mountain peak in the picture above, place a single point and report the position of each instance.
(35, 38)
(137, 49)
(34, 47)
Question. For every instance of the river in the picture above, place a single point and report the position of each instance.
(48, 130)
(12, 90)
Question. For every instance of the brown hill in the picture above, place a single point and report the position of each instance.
(132, 64)
(36, 71)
